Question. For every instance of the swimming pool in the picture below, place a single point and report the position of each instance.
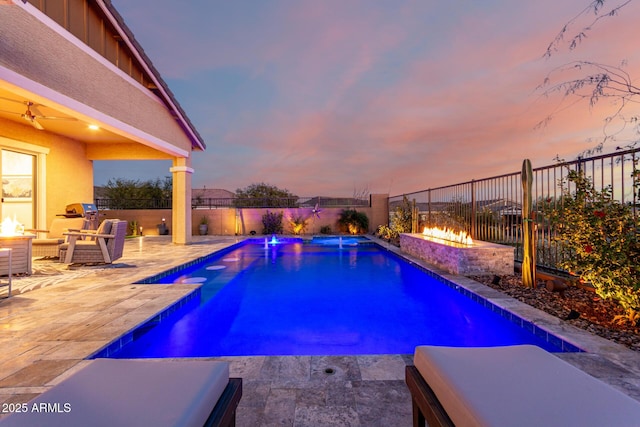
(295, 298)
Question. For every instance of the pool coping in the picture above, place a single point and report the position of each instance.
(543, 325)
(49, 332)
(588, 342)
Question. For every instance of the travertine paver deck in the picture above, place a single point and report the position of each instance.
(58, 317)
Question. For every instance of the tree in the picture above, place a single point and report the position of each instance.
(264, 195)
(592, 81)
(135, 194)
(599, 12)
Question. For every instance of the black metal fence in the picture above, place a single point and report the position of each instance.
(110, 204)
(224, 203)
(490, 209)
(280, 202)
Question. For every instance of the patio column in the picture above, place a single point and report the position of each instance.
(181, 205)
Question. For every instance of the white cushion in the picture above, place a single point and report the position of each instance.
(520, 385)
(105, 227)
(140, 392)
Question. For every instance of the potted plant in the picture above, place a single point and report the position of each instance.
(203, 228)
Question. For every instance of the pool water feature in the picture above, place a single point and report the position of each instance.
(297, 298)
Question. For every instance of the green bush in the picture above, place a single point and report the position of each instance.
(353, 222)
(599, 239)
(272, 222)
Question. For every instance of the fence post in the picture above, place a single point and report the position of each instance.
(429, 208)
(473, 209)
(414, 216)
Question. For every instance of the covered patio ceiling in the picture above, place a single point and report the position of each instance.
(105, 141)
(60, 121)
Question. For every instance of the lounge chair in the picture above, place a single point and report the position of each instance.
(48, 246)
(105, 245)
(142, 392)
(519, 385)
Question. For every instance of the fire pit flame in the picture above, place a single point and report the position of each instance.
(448, 234)
(11, 227)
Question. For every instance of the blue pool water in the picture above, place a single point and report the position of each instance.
(318, 299)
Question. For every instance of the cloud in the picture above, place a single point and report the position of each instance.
(324, 96)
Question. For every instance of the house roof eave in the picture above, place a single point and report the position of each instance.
(162, 88)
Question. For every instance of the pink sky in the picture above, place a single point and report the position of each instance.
(328, 97)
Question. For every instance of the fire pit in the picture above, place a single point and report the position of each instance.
(12, 236)
(457, 253)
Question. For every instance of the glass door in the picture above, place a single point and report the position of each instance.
(18, 171)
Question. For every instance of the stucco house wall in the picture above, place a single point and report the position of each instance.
(80, 61)
(69, 174)
(60, 65)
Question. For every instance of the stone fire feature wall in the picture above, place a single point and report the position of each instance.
(481, 258)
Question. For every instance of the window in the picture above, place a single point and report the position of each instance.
(18, 171)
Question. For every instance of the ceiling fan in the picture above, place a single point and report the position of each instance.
(33, 114)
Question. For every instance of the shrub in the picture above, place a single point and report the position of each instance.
(599, 240)
(297, 224)
(272, 222)
(401, 217)
(353, 222)
(387, 233)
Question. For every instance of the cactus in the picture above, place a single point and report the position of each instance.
(529, 253)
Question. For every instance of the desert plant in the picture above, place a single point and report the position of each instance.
(529, 250)
(353, 222)
(402, 217)
(599, 238)
(272, 222)
(133, 228)
(204, 220)
(387, 233)
(298, 224)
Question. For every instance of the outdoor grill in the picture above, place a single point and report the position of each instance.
(87, 211)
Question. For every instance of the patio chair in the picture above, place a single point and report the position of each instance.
(105, 245)
(520, 385)
(137, 392)
(48, 246)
